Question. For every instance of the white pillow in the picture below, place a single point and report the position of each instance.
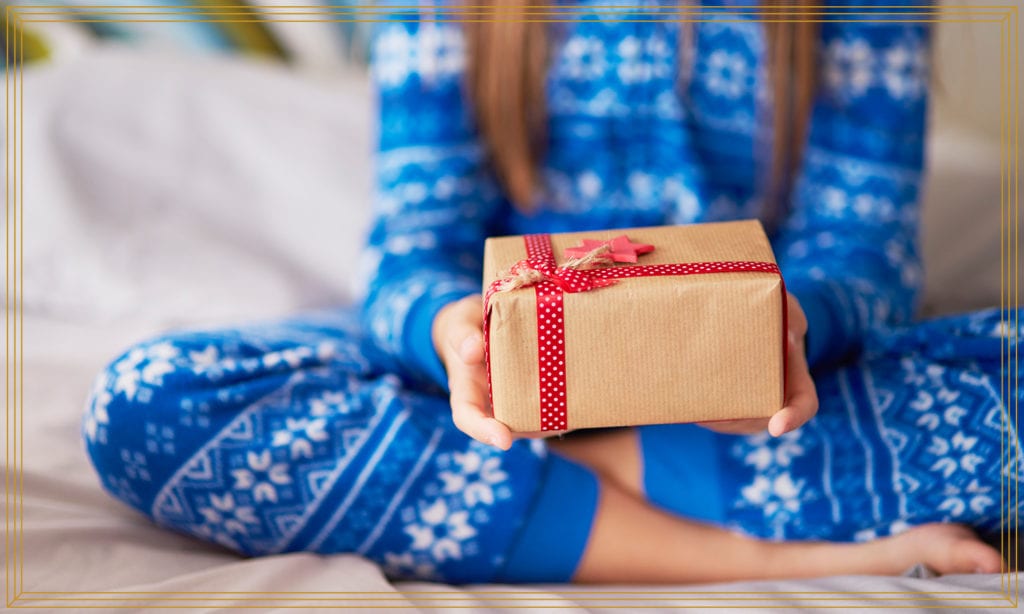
(181, 188)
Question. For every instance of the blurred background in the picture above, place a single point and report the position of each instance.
(209, 171)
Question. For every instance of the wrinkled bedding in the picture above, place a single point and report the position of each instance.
(165, 192)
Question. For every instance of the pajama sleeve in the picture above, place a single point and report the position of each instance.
(434, 198)
(849, 247)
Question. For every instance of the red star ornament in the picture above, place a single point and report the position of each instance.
(621, 249)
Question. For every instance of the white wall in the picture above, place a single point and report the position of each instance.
(962, 194)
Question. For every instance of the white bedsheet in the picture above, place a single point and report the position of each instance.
(166, 192)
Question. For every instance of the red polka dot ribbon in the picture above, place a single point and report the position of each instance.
(556, 280)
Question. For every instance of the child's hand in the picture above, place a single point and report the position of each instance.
(458, 339)
(801, 398)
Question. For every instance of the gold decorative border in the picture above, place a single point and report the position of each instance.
(1006, 15)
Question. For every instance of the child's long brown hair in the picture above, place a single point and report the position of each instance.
(508, 60)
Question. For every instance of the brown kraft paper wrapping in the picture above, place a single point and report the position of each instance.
(647, 350)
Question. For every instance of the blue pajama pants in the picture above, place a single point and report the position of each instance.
(298, 435)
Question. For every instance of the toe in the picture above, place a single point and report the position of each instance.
(986, 559)
(970, 555)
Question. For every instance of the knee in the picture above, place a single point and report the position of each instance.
(133, 404)
(145, 378)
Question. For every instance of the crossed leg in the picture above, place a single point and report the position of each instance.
(634, 541)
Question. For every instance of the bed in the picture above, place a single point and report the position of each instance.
(164, 191)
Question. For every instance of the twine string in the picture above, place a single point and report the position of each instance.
(522, 275)
(596, 255)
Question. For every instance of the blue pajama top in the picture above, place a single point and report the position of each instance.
(649, 124)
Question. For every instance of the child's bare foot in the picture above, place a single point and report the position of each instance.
(945, 548)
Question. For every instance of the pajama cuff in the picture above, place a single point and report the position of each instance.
(826, 339)
(690, 484)
(556, 529)
(419, 340)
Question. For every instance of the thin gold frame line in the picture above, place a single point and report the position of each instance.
(567, 11)
(400, 601)
(457, 595)
(1004, 173)
(1009, 282)
(560, 592)
(533, 596)
(471, 597)
(22, 92)
(504, 605)
(1003, 111)
(1014, 451)
(290, 10)
(16, 418)
(343, 16)
(23, 147)
(1004, 415)
(463, 591)
(419, 7)
(8, 407)
(1001, 22)
(524, 17)
(490, 602)
(13, 304)
(1015, 105)
(10, 332)
(490, 8)
(23, 172)
(19, 298)
(17, 174)
(441, 15)
(11, 342)
(1013, 585)
(563, 12)
(1004, 340)
(1007, 110)
(257, 20)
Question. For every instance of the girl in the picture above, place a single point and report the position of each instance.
(367, 431)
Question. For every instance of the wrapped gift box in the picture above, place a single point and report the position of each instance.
(692, 331)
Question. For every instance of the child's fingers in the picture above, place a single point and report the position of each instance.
(736, 427)
(467, 380)
(460, 342)
(470, 412)
(802, 400)
(465, 338)
(473, 350)
(797, 412)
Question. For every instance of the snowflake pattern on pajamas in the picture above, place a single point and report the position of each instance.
(307, 447)
(330, 432)
(914, 432)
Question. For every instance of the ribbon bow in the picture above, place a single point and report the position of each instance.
(571, 276)
(532, 271)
